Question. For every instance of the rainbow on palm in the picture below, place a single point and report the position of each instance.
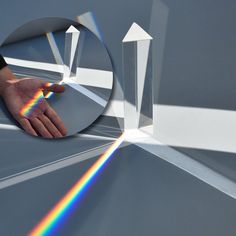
(35, 100)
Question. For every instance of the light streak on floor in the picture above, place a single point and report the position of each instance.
(52, 219)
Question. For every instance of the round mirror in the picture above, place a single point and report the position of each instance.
(75, 70)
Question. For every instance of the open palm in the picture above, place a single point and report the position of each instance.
(25, 100)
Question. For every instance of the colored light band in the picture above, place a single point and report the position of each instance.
(49, 222)
(37, 98)
(49, 94)
(27, 109)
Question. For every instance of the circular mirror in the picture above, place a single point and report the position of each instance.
(58, 51)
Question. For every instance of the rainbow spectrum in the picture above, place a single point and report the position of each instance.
(49, 94)
(50, 221)
(37, 98)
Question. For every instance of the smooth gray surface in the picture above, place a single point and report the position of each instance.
(222, 162)
(101, 92)
(32, 49)
(20, 152)
(199, 58)
(43, 26)
(136, 194)
(75, 109)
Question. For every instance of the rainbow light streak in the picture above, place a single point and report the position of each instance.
(37, 98)
(61, 208)
(29, 106)
(49, 94)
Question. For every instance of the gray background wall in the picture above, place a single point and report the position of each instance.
(199, 56)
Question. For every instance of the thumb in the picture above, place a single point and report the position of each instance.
(56, 88)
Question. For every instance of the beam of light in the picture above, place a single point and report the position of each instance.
(9, 127)
(50, 221)
(35, 65)
(49, 94)
(54, 48)
(33, 102)
(88, 20)
(83, 90)
(29, 106)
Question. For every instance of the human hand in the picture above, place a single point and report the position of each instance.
(25, 100)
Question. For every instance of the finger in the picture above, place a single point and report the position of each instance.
(50, 126)
(56, 120)
(40, 128)
(25, 124)
(56, 88)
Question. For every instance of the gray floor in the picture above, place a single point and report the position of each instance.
(222, 162)
(27, 153)
(136, 194)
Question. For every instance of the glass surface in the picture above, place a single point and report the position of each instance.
(137, 72)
